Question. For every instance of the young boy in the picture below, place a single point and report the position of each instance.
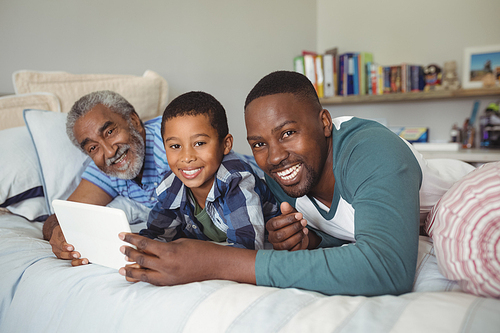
(210, 193)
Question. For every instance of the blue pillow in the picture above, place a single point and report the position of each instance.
(60, 162)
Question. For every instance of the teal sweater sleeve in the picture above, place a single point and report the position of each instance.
(379, 176)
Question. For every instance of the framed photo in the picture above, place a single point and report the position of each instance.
(479, 61)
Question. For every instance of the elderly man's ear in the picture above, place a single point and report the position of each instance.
(136, 121)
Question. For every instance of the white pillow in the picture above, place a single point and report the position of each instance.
(12, 106)
(61, 163)
(147, 93)
(137, 214)
(21, 190)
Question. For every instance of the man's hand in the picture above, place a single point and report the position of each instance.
(86, 192)
(63, 250)
(184, 261)
(288, 231)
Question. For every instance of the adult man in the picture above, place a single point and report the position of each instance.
(128, 158)
(356, 180)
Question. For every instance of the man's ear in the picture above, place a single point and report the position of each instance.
(136, 121)
(326, 120)
(227, 143)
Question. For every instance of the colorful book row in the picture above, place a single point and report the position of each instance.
(357, 74)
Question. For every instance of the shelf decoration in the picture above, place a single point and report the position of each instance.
(481, 66)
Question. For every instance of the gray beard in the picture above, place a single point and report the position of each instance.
(133, 168)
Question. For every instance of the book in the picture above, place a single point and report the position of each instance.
(318, 61)
(404, 77)
(355, 75)
(395, 79)
(350, 73)
(298, 64)
(331, 54)
(368, 69)
(373, 78)
(364, 58)
(387, 80)
(310, 67)
(417, 78)
(328, 70)
(380, 80)
(341, 76)
(413, 134)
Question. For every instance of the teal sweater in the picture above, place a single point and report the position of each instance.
(379, 176)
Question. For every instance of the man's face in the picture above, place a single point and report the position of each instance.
(288, 140)
(115, 145)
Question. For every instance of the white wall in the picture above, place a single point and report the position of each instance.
(220, 46)
(224, 47)
(413, 31)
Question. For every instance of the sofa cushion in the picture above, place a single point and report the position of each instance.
(148, 93)
(12, 106)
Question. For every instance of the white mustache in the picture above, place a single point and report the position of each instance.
(119, 153)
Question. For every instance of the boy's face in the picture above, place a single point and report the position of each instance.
(194, 151)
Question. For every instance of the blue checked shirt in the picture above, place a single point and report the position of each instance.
(155, 168)
(239, 204)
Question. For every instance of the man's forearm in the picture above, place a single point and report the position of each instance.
(48, 226)
(237, 265)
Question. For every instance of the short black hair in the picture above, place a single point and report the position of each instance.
(281, 82)
(194, 103)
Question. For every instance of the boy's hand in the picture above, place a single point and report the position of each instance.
(288, 231)
(63, 250)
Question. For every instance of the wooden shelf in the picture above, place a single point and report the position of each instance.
(412, 96)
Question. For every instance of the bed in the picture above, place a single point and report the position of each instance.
(40, 293)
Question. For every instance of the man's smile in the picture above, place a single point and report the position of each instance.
(290, 173)
(120, 159)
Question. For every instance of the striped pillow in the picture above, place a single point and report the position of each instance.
(465, 228)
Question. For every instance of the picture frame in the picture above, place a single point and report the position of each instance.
(477, 62)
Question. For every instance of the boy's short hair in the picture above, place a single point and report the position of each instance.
(282, 82)
(194, 103)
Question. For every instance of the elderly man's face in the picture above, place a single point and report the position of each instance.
(115, 145)
(288, 141)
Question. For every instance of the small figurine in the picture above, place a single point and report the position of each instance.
(450, 77)
(432, 74)
(488, 80)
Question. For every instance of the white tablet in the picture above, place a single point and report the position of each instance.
(93, 231)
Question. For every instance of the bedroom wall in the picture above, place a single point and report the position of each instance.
(224, 47)
(220, 46)
(421, 32)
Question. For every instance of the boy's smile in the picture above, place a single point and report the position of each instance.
(194, 152)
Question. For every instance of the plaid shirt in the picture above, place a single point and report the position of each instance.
(239, 204)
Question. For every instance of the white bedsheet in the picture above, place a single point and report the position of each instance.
(40, 293)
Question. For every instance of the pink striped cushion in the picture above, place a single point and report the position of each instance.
(465, 228)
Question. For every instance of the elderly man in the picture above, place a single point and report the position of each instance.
(355, 182)
(128, 159)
